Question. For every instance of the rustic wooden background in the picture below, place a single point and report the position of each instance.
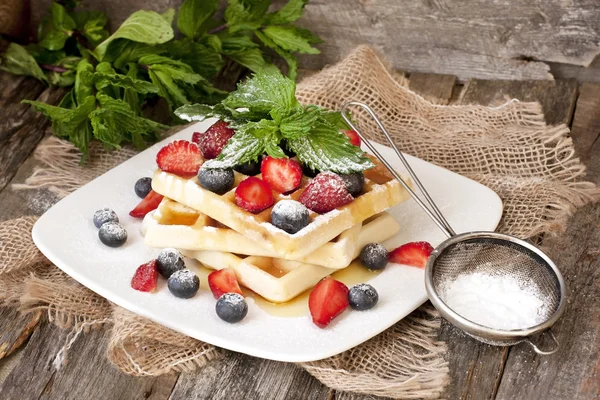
(492, 39)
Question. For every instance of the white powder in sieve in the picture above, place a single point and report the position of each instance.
(498, 302)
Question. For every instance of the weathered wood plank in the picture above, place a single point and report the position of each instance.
(556, 97)
(437, 89)
(239, 376)
(574, 371)
(586, 123)
(15, 329)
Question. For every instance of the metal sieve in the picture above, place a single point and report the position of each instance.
(492, 253)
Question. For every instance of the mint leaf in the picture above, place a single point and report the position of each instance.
(61, 20)
(200, 112)
(335, 119)
(203, 59)
(83, 81)
(69, 123)
(327, 149)
(115, 122)
(54, 40)
(212, 41)
(121, 52)
(266, 90)
(242, 148)
(142, 26)
(235, 43)
(67, 77)
(287, 14)
(300, 122)
(131, 96)
(287, 56)
(106, 76)
(245, 14)
(18, 61)
(60, 29)
(178, 70)
(193, 13)
(250, 58)
(308, 35)
(92, 24)
(169, 15)
(288, 38)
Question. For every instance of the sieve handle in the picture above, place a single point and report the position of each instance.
(431, 208)
(547, 352)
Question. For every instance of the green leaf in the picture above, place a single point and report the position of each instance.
(54, 40)
(131, 96)
(177, 70)
(266, 90)
(92, 24)
(203, 59)
(300, 122)
(59, 29)
(249, 58)
(288, 38)
(142, 26)
(236, 43)
(287, 14)
(327, 149)
(69, 123)
(18, 61)
(212, 41)
(246, 14)
(308, 35)
(115, 122)
(121, 52)
(105, 76)
(200, 112)
(193, 14)
(287, 56)
(334, 118)
(169, 15)
(61, 20)
(243, 147)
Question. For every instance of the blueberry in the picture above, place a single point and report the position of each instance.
(354, 182)
(143, 186)
(311, 173)
(112, 234)
(374, 256)
(290, 215)
(231, 307)
(183, 283)
(103, 216)
(169, 260)
(250, 168)
(219, 181)
(362, 297)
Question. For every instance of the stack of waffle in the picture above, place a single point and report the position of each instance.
(267, 260)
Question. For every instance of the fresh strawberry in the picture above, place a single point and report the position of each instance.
(353, 136)
(283, 174)
(149, 203)
(181, 158)
(327, 300)
(413, 253)
(214, 139)
(145, 277)
(326, 192)
(223, 281)
(253, 195)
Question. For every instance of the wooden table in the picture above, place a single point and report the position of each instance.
(477, 371)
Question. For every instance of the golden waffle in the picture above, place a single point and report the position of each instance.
(279, 280)
(379, 193)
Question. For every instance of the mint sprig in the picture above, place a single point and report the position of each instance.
(264, 112)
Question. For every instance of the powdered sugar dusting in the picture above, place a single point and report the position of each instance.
(325, 192)
(113, 229)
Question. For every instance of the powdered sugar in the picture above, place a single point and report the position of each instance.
(499, 302)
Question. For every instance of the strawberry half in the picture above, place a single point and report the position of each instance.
(149, 203)
(326, 192)
(254, 195)
(181, 158)
(283, 174)
(353, 136)
(145, 277)
(327, 300)
(413, 253)
(214, 139)
(223, 281)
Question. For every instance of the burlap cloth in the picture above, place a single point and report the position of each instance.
(509, 148)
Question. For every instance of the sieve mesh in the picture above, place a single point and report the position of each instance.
(501, 258)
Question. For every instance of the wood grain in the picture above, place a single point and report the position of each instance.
(434, 88)
(586, 124)
(15, 329)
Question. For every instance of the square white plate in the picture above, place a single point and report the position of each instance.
(67, 236)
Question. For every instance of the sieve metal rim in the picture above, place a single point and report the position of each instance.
(481, 330)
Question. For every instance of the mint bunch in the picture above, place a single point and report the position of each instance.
(113, 77)
(267, 117)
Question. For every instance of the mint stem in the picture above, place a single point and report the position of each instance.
(54, 68)
(218, 29)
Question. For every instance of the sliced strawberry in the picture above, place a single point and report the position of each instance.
(214, 139)
(327, 300)
(223, 281)
(353, 136)
(181, 158)
(283, 174)
(145, 277)
(413, 253)
(149, 203)
(326, 192)
(253, 195)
